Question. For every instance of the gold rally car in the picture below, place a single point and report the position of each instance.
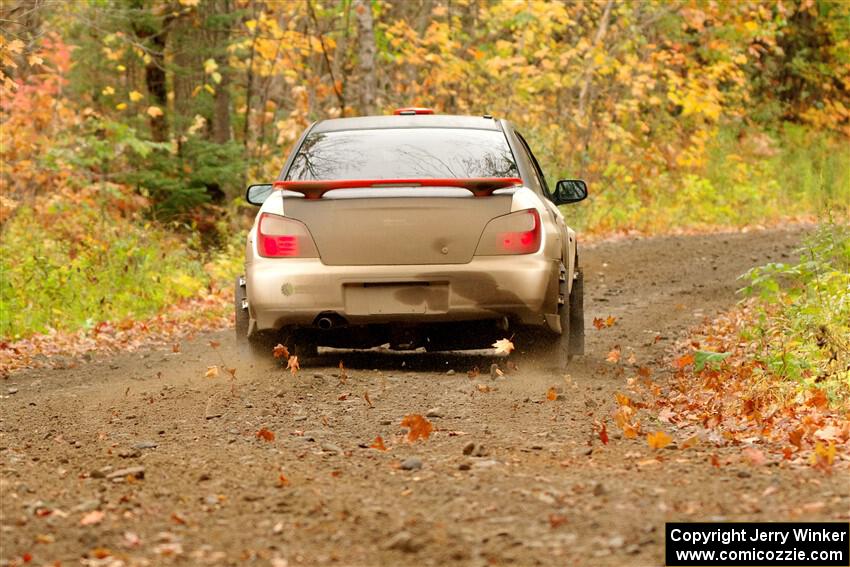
(413, 230)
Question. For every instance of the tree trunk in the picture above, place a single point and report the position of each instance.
(221, 130)
(588, 72)
(155, 69)
(366, 56)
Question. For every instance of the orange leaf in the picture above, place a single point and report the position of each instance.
(796, 437)
(818, 399)
(598, 323)
(282, 480)
(378, 444)
(610, 320)
(215, 344)
(474, 372)
(177, 519)
(212, 372)
(264, 433)
(715, 462)
(280, 351)
(418, 426)
(658, 440)
(293, 364)
(685, 360)
(552, 394)
(644, 372)
(100, 552)
(614, 355)
(689, 442)
(368, 401)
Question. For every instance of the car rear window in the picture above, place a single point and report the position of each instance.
(403, 153)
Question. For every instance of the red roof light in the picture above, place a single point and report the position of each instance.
(413, 110)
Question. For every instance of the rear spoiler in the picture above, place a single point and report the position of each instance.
(479, 186)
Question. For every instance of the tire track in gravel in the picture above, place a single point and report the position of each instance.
(537, 488)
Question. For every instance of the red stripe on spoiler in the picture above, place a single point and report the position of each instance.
(480, 186)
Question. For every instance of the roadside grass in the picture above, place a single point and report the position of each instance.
(74, 260)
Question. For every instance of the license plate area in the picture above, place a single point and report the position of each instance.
(396, 298)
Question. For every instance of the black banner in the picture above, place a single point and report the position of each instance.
(762, 544)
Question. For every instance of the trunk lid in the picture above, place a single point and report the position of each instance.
(439, 226)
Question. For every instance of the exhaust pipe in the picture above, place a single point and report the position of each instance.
(325, 323)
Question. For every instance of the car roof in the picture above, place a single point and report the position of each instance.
(414, 121)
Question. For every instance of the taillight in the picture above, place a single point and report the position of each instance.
(280, 237)
(516, 233)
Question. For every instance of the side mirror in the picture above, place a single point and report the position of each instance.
(258, 193)
(569, 191)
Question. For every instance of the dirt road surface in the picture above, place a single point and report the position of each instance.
(507, 478)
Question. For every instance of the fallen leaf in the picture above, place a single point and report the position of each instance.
(282, 480)
(715, 462)
(368, 401)
(418, 427)
(823, 456)
(474, 372)
(100, 553)
(689, 442)
(483, 388)
(796, 437)
(552, 394)
(503, 346)
(215, 344)
(231, 371)
(280, 351)
(658, 440)
(212, 372)
(264, 433)
(754, 456)
(614, 355)
(644, 372)
(292, 364)
(343, 375)
(603, 433)
(178, 519)
(92, 518)
(684, 361)
(557, 520)
(175, 347)
(378, 444)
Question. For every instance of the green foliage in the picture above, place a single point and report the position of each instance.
(750, 177)
(57, 277)
(804, 321)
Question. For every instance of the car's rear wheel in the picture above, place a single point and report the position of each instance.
(576, 346)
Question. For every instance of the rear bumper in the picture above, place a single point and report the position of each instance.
(290, 292)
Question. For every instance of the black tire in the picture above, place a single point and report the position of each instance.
(258, 345)
(576, 347)
(546, 347)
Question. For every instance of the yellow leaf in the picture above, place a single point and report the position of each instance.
(215, 76)
(107, 91)
(251, 24)
(154, 111)
(189, 3)
(209, 89)
(210, 65)
(503, 346)
(34, 60)
(658, 440)
(121, 106)
(121, 68)
(136, 96)
(212, 372)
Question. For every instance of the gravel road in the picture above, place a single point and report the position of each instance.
(140, 459)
